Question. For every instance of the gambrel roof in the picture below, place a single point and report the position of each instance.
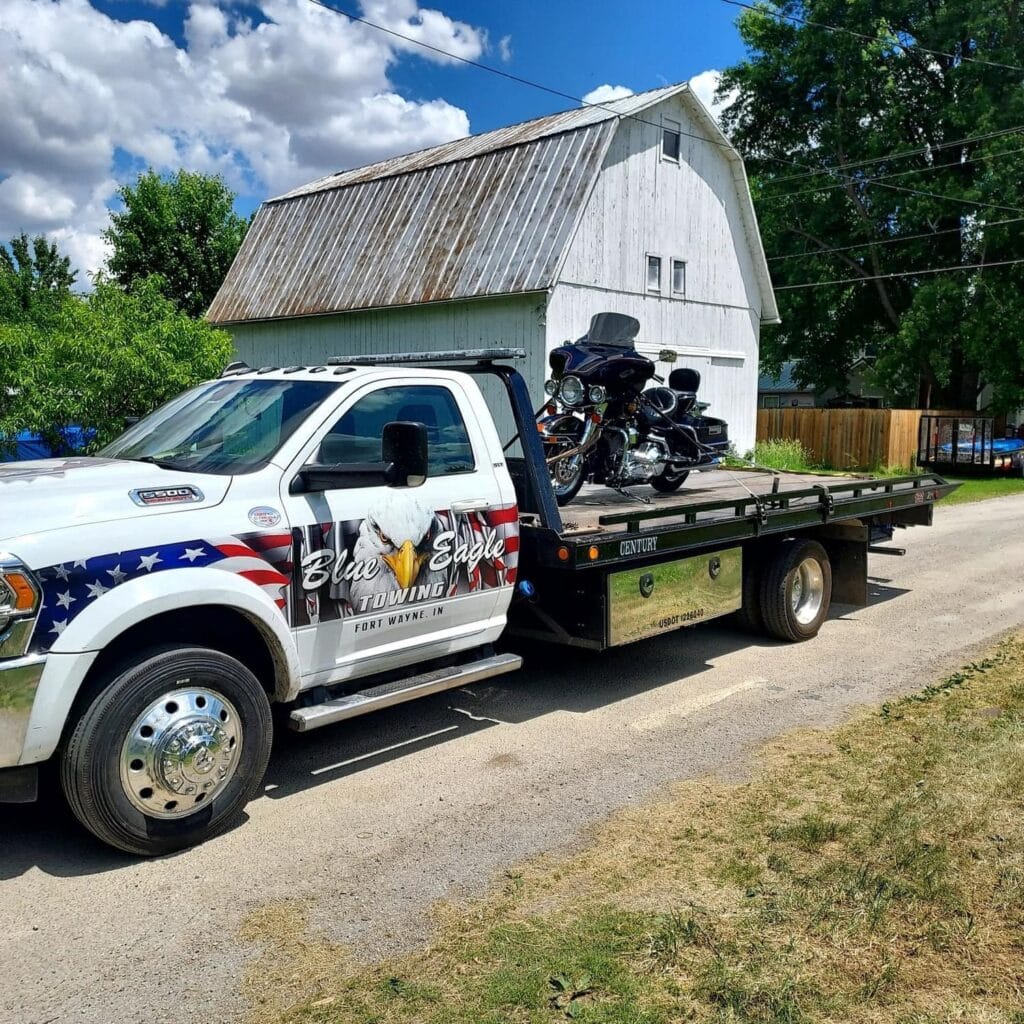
(491, 214)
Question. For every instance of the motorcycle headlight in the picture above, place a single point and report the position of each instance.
(597, 394)
(551, 387)
(572, 390)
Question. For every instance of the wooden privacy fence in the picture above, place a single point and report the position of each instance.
(846, 438)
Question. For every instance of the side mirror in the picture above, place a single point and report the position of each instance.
(404, 464)
(404, 448)
(667, 355)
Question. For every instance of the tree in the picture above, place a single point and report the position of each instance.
(34, 278)
(105, 357)
(839, 105)
(183, 228)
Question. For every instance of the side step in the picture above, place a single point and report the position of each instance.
(377, 697)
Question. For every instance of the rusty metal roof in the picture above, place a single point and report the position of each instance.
(488, 215)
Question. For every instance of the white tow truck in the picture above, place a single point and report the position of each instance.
(338, 539)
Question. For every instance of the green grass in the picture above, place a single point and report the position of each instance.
(983, 488)
(790, 456)
(874, 873)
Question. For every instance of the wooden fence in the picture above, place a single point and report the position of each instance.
(846, 438)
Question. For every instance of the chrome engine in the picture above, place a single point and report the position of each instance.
(641, 462)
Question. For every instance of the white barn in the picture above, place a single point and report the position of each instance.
(518, 237)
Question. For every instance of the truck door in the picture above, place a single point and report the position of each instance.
(392, 576)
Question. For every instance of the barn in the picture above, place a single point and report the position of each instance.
(517, 237)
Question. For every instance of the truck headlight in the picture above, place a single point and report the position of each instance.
(19, 606)
(571, 390)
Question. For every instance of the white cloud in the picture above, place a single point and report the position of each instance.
(605, 93)
(505, 48)
(704, 87)
(271, 105)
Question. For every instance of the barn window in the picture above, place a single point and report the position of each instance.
(654, 273)
(670, 136)
(678, 277)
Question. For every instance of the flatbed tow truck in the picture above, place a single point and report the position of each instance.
(341, 538)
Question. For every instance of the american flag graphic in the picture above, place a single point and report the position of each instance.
(263, 559)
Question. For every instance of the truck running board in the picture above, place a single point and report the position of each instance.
(377, 697)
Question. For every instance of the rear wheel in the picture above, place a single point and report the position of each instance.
(666, 481)
(749, 616)
(169, 751)
(796, 590)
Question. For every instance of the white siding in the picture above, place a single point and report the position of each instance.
(516, 321)
(645, 205)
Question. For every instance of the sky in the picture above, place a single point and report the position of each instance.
(274, 93)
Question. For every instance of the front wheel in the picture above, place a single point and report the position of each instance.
(567, 477)
(668, 481)
(169, 751)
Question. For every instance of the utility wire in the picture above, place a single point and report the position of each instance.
(887, 277)
(600, 106)
(924, 151)
(872, 39)
(889, 241)
(894, 174)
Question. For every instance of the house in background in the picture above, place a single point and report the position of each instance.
(781, 390)
(518, 237)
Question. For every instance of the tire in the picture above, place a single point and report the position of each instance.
(666, 482)
(565, 483)
(138, 792)
(749, 617)
(796, 590)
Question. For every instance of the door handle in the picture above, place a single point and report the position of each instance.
(471, 505)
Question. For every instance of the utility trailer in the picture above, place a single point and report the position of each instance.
(338, 539)
(969, 446)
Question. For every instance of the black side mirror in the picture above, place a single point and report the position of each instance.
(404, 448)
(404, 464)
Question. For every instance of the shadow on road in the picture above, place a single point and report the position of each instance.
(45, 835)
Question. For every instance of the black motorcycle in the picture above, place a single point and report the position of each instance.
(602, 426)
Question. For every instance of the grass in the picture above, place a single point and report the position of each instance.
(789, 455)
(983, 488)
(874, 873)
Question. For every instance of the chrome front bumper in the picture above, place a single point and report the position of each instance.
(19, 680)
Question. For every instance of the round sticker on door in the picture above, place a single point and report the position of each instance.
(264, 515)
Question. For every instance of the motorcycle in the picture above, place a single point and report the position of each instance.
(603, 424)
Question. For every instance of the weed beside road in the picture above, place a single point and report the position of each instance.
(872, 873)
(983, 488)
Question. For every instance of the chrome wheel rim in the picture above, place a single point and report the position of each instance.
(807, 591)
(181, 752)
(565, 473)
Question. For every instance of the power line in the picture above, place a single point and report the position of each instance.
(888, 241)
(886, 277)
(600, 106)
(895, 174)
(872, 39)
(924, 151)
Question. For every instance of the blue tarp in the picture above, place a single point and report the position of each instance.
(28, 445)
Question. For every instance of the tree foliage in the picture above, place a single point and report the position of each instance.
(102, 358)
(843, 104)
(183, 228)
(34, 278)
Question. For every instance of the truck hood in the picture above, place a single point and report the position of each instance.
(53, 494)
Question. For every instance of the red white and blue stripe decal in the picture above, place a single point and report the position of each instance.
(70, 587)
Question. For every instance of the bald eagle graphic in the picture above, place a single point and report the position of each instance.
(398, 532)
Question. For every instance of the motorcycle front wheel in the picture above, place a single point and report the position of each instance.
(667, 481)
(567, 478)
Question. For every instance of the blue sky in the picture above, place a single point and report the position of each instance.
(271, 93)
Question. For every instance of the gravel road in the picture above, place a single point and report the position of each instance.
(374, 820)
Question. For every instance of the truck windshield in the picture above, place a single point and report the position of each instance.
(224, 427)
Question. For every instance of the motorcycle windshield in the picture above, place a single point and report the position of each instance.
(612, 329)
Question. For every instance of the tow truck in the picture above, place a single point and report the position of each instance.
(340, 538)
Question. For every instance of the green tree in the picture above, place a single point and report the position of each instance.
(839, 104)
(183, 228)
(34, 278)
(105, 357)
